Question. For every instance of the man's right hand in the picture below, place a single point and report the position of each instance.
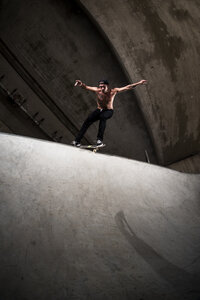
(78, 82)
(84, 86)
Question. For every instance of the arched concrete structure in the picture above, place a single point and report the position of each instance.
(159, 41)
(79, 225)
(49, 44)
(55, 43)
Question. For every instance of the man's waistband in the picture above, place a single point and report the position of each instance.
(101, 109)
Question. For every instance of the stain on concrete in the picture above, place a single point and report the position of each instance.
(167, 47)
(178, 13)
(181, 115)
(37, 53)
(182, 138)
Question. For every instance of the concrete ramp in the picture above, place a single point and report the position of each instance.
(80, 225)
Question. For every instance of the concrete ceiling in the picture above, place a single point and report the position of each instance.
(46, 45)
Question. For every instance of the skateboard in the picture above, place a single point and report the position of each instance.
(94, 148)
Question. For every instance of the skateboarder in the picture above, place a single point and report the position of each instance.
(104, 111)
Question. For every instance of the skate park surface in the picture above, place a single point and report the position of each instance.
(81, 225)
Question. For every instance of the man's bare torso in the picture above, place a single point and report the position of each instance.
(105, 99)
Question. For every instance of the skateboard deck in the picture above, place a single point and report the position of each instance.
(94, 148)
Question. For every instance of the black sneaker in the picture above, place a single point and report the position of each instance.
(99, 143)
(75, 143)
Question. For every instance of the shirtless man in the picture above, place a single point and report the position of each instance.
(104, 111)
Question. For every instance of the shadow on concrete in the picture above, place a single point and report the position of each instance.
(184, 283)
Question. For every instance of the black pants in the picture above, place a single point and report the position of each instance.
(99, 114)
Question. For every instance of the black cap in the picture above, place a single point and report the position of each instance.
(104, 81)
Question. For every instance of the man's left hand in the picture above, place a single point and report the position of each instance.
(143, 81)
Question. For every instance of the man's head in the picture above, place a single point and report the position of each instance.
(103, 85)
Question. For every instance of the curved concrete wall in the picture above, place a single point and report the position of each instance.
(79, 225)
(159, 41)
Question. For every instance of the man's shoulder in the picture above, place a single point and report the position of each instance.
(98, 90)
(113, 90)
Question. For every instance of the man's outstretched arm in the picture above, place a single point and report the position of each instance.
(129, 86)
(84, 86)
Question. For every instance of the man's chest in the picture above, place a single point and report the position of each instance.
(104, 97)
